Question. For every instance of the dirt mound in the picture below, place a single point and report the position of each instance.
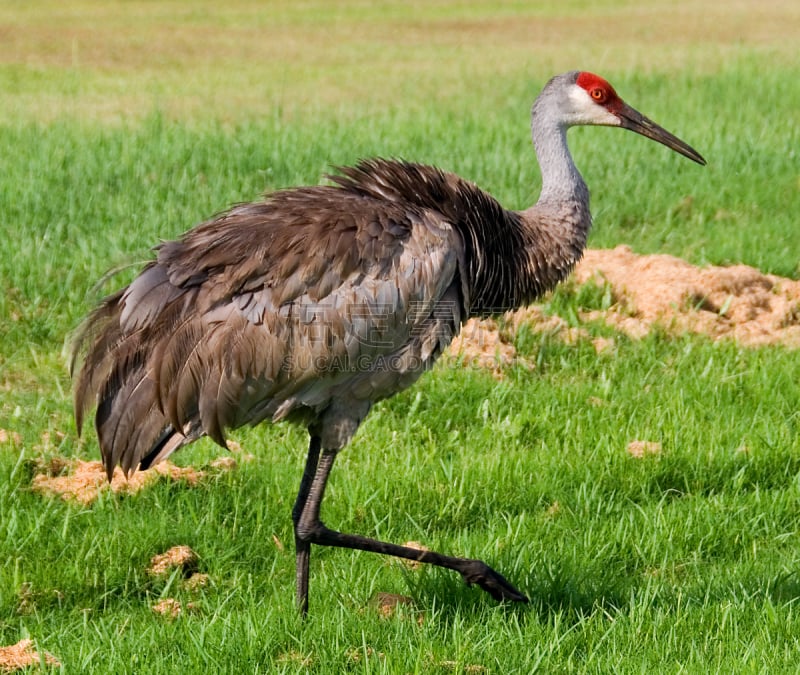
(482, 344)
(22, 655)
(737, 302)
(82, 481)
(650, 291)
(170, 608)
(184, 559)
(181, 556)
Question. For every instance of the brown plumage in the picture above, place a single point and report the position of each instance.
(317, 302)
(275, 309)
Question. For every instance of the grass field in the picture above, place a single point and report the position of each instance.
(125, 123)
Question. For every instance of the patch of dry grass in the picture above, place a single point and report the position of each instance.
(640, 449)
(102, 61)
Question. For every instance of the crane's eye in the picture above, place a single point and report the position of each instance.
(599, 95)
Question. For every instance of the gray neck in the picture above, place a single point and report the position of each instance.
(561, 181)
(554, 230)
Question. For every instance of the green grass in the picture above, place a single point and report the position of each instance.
(685, 561)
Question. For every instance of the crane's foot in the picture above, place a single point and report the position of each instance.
(309, 529)
(495, 584)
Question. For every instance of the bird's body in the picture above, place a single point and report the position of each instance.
(317, 302)
(310, 306)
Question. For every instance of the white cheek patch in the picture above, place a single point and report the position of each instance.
(586, 111)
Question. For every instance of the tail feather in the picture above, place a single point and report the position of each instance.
(173, 357)
(119, 373)
(122, 425)
(100, 332)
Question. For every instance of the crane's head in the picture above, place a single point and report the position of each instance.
(592, 100)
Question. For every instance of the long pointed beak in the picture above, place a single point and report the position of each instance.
(635, 121)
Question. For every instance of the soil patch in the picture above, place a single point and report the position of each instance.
(648, 292)
(736, 302)
(181, 556)
(22, 655)
(82, 481)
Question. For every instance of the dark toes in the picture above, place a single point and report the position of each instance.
(495, 584)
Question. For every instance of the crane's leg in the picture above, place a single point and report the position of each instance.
(310, 530)
(303, 548)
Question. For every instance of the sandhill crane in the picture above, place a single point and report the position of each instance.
(315, 303)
